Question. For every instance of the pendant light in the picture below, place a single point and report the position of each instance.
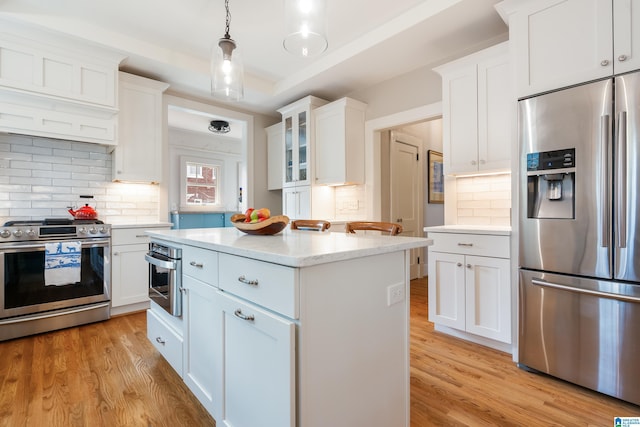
(226, 66)
(305, 27)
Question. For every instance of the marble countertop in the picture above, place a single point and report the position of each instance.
(292, 248)
(471, 229)
(142, 225)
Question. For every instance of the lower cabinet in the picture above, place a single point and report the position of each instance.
(254, 361)
(467, 291)
(129, 270)
(199, 337)
(166, 338)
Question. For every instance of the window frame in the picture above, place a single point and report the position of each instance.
(216, 163)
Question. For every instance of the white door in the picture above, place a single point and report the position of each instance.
(254, 363)
(406, 190)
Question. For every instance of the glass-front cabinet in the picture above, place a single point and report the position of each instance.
(298, 140)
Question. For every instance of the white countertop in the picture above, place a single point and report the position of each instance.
(142, 225)
(470, 229)
(292, 248)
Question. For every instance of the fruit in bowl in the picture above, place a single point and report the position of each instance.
(259, 221)
(257, 215)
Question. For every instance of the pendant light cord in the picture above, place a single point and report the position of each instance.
(226, 28)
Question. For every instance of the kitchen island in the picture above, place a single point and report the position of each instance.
(297, 329)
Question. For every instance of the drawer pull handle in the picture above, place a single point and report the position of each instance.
(244, 280)
(196, 264)
(468, 245)
(238, 313)
(160, 340)
(141, 235)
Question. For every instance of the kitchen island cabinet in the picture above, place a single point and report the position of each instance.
(308, 329)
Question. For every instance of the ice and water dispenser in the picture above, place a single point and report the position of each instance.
(550, 184)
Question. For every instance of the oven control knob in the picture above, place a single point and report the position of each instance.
(104, 230)
(5, 233)
(31, 232)
(93, 230)
(82, 230)
(17, 233)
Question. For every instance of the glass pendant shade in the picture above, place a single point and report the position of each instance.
(226, 71)
(305, 27)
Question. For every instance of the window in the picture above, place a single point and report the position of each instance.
(200, 183)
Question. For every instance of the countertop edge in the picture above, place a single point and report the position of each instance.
(142, 225)
(470, 229)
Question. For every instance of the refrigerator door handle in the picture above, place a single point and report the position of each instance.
(619, 297)
(604, 188)
(621, 178)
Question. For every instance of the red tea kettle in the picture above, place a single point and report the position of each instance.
(85, 212)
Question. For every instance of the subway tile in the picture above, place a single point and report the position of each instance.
(28, 180)
(471, 204)
(16, 164)
(59, 144)
(51, 174)
(52, 159)
(49, 189)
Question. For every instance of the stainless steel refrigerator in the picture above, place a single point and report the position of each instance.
(579, 302)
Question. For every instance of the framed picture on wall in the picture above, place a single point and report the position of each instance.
(436, 177)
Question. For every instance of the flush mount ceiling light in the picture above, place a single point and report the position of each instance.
(305, 27)
(219, 126)
(226, 66)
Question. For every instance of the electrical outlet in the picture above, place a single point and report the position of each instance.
(395, 294)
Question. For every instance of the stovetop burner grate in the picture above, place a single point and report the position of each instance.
(54, 221)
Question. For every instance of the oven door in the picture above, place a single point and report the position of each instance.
(165, 282)
(22, 278)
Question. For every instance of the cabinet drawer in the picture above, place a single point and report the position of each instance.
(470, 244)
(201, 264)
(167, 341)
(128, 236)
(273, 286)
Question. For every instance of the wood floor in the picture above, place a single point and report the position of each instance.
(108, 374)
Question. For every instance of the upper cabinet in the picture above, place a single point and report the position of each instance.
(339, 143)
(57, 87)
(558, 43)
(477, 110)
(138, 155)
(274, 156)
(297, 122)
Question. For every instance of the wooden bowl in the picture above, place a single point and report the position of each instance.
(269, 226)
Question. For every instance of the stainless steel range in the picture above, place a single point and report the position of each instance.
(54, 274)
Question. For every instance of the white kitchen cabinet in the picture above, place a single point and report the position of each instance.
(297, 121)
(165, 337)
(339, 142)
(477, 112)
(199, 337)
(129, 269)
(275, 152)
(138, 155)
(53, 86)
(559, 43)
(296, 202)
(254, 363)
(469, 284)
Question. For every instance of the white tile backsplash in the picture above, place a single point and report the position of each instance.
(40, 177)
(484, 200)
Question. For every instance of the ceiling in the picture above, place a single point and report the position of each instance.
(370, 41)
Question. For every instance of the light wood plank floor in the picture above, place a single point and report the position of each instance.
(108, 374)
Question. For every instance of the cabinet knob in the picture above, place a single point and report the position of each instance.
(604, 62)
(473, 162)
(469, 266)
(622, 58)
(116, 253)
(482, 162)
(459, 264)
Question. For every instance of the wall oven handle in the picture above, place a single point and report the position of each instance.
(171, 265)
(619, 297)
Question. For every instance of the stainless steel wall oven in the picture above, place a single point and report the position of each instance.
(165, 277)
(35, 296)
